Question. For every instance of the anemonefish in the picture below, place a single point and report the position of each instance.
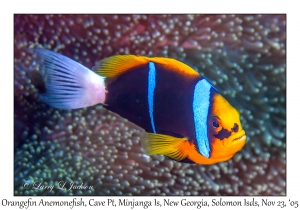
(184, 117)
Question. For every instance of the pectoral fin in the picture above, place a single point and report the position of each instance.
(173, 147)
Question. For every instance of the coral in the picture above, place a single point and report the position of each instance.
(243, 56)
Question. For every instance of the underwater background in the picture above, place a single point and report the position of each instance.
(243, 56)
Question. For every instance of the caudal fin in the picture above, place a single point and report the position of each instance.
(69, 85)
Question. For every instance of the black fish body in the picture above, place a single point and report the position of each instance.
(184, 116)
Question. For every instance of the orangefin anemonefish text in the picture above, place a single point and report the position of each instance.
(184, 116)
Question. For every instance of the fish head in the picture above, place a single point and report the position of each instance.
(225, 132)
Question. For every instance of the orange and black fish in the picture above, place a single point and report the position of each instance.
(184, 116)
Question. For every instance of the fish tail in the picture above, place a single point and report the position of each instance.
(68, 84)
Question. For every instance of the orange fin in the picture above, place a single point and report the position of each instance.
(116, 65)
(173, 147)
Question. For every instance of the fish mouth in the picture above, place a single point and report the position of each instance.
(243, 137)
(240, 136)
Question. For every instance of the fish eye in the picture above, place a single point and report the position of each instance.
(215, 124)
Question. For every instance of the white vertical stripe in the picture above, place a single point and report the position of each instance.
(200, 109)
(151, 87)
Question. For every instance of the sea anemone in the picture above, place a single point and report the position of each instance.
(243, 56)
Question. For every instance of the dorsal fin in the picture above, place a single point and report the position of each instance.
(116, 65)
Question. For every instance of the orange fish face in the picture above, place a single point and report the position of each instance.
(225, 131)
